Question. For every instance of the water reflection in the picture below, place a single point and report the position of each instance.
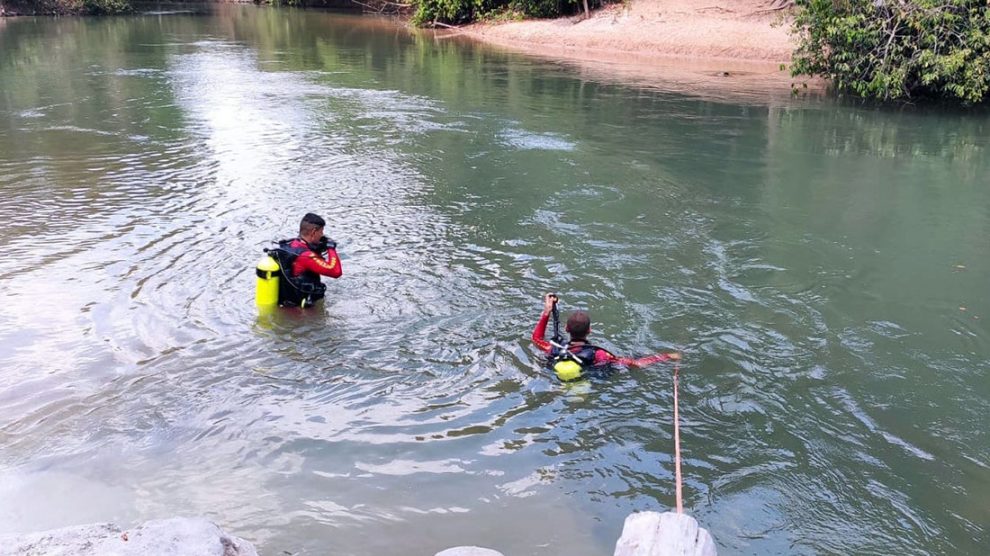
(815, 262)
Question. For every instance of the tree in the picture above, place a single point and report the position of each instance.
(897, 49)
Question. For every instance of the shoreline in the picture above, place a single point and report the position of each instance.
(8, 10)
(737, 29)
(732, 51)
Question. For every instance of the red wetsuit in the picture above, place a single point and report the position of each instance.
(311, 261)
(601, 356)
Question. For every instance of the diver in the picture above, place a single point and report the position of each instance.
(302, 261)
(577, 358)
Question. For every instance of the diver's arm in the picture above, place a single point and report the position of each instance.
(540, 332)
(314, 263)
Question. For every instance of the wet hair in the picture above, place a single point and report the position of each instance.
(309, 223)
(578, 325)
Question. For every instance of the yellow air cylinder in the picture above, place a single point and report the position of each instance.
(266, 288)
(567, 370)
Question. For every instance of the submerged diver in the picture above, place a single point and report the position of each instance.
(302, 262)
(574, 360)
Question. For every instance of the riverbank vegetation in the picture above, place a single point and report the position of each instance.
(60, 7)
(887, 50)
(464, 11)
(452, 12)
(892, 50)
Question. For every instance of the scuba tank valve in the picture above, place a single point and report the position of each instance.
(266, 287)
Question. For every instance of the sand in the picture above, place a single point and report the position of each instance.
(719, 47)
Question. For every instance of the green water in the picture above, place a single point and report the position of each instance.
(823, 267)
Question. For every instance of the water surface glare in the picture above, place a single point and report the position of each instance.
(823, 267)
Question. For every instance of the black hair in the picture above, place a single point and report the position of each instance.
(578, 325)
(310, 222)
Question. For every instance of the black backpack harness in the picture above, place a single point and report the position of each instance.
(296, 291)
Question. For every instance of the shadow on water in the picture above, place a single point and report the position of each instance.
(815, 262)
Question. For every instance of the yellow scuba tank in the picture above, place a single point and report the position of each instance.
(567, 370)
(266, 287)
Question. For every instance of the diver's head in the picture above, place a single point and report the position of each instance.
(578, 325)
(311, 228)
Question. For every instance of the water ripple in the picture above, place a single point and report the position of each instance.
(832, 395)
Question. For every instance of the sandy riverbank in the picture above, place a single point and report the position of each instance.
(692, 46)
(731, 50)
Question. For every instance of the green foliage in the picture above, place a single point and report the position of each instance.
(449, 11)
(105, 6)
(502, 16)
(35, 7)
(464, 11)
(546, 8)
(90, 7)
(897, 49)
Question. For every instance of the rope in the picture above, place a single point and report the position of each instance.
(677, 446)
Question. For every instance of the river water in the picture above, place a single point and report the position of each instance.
(822, 266)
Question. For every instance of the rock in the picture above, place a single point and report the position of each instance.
(666, 534)
(163, 537)
(469, 551)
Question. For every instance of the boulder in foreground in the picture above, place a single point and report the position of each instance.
(164, 537)
(666, 534)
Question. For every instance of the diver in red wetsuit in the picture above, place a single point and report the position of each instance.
(311, 242)
(570, 361)
(305, 259)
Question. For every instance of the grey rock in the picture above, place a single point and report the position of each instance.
(163, 537)
(468, 551)
(666, 534)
